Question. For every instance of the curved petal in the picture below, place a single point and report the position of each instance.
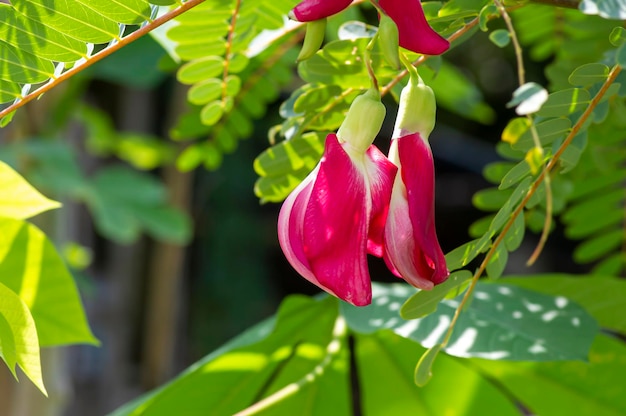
(411, 241)
(323, 226)
(415, 33)
(380, 173)
(309, 10)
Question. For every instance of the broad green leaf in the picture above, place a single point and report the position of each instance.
(18, 337)
(212, 113)
(620, 56)
(500, 37)
(565, 102)
(566, 388)
(589, 74)
(35, 38)
(18, 199)
(23, 67)
(603, 297)
(76, 19)
(31, 267)
(571, 155)
(425, 302)
(130, 12)
(385, 368)
(9, 92)
(501, 322)
(298, 350)
(494, 172)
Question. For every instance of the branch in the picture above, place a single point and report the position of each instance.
(100, 55)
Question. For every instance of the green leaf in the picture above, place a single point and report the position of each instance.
(601, 296)
(617, 36)
(566, 388)
(497, 263)
(501, 322)
(201, 69)
(423, 370)
(565, 102)
(237, 376)
(599, 246)
(425, 302)
(460, 256)
(589, 74)
(548, 131)
(18, 199)
(500, 37)
(18, 337)
(45, 285)
(386, 356)
(620, 56)
(515, 235)
(283, 166)
(22, 67)
(76, 19)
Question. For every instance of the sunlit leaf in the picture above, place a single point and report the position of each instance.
(18, 199)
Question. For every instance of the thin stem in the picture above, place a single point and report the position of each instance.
(229, 45)
(332, 350)
(521, 75)
(551, 164)
(100, 55)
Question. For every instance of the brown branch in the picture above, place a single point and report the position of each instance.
(101, 55)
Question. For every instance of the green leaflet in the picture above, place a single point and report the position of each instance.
(260, 363)
(34, 37)
(45, 286)
(18, 199)
(18, 337)
(74, 18)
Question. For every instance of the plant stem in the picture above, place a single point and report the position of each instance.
(333, 348)
(544, 173)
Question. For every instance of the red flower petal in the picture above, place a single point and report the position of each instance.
(411, 244)
(415, 33)
(309, 10)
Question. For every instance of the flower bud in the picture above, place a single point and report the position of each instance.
(416, 113)
(388, 38)
(363, 121)
(313, 39)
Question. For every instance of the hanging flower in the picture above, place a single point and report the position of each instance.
(412, 250)
(415, 34)
(336, 216)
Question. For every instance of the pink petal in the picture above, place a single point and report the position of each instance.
(381, 174)
(411, 244)
(415, 33)
(309, 10)
(323, 228)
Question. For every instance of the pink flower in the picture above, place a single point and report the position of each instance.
(415, 34)
(412, 250)
(336, 216)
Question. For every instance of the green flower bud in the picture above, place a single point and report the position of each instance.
(363, 121)
(417, 110)
(313, 39)
(389, 39)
